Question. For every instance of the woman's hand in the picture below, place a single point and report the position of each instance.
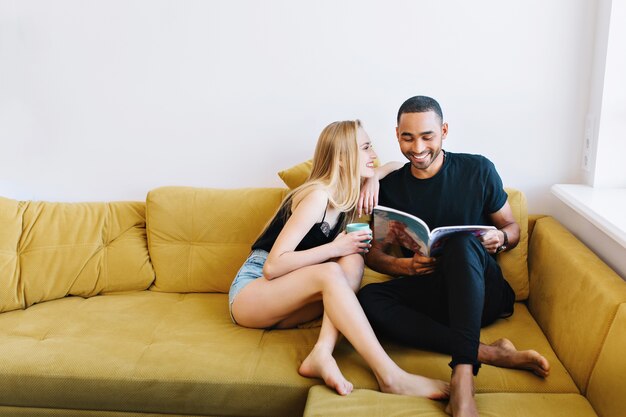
(354, 242)
(369, 195)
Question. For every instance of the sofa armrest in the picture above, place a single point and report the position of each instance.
(574, 296)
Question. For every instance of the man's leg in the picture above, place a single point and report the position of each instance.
(414, 310)
(410, 310)
(462, 268)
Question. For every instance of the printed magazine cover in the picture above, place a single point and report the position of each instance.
(397, 227)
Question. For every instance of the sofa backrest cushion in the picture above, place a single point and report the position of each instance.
(574, 297)
(200, 237)
(11, 291)
(606, 390)
(52, 250)
(514, 262)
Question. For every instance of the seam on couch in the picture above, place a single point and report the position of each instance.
(21, 289)
(190, 247)
(599, 352)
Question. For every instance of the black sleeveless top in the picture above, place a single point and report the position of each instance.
(319, 234)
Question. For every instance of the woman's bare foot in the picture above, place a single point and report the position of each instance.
(321, 364)
(404, 383)
(462, 403)
(503, 353)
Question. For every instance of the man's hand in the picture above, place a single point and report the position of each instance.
(420, 265)
(492, 240)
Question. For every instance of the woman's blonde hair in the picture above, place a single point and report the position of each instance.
(336, 167)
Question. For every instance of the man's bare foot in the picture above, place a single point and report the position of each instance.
(321, 364)
(404, 383)
(462, 403)
(503, 353)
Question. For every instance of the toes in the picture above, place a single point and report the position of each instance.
(344, 388)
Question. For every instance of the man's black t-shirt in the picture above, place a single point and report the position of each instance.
(465, 191)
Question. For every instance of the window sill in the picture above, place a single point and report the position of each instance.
(603, 207)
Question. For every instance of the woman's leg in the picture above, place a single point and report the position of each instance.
(264, 303)
(320, 362)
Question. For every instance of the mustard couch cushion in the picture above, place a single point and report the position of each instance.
(200, 237)
(295, 176)
(66, 412)
(149, 351)
(606, 390)
(520, 328)
(11, 289)
(72, 249)
(180, 353)
(323, 402)
(514, 263)
(573, 296)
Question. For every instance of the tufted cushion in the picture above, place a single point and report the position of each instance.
(51, 250)
(150, 352)
(199, 238)
(83, 249)
(11, 294)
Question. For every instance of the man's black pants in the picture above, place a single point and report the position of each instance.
(443, 311)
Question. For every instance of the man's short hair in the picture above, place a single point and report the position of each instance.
(420, 104)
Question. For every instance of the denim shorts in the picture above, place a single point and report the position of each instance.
(251, 269)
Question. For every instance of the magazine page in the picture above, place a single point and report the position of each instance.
(439, 235)
(395, 227)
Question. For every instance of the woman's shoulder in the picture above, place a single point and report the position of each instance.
(314, 196)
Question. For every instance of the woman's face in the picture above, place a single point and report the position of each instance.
(366, 153)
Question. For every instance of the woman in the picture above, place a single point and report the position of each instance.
(302, 266)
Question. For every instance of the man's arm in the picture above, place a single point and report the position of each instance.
(380, 261)
(505, 222)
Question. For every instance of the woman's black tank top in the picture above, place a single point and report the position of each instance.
(319, 234)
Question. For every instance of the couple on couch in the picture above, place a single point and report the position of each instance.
(303, 265)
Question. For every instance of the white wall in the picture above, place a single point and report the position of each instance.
(104, 100)
(607, 110)
(609, 168)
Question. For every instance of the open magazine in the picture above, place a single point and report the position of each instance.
(397, 227)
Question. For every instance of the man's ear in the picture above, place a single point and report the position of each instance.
(444, 130)
(397, 134)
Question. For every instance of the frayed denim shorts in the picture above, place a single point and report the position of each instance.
(251, 269)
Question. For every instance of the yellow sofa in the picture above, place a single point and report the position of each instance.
(112, 309)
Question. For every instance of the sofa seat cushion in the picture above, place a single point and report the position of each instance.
(150, 352)
(323, 402)
(520, 328)
(180, 353)
(66, 412)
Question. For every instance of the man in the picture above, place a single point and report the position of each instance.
(441, 304)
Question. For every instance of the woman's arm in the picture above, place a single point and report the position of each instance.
(283, 258)
(370, 187)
